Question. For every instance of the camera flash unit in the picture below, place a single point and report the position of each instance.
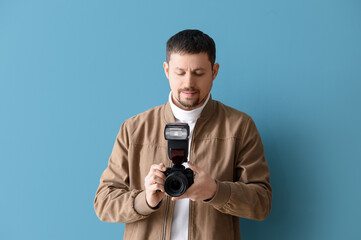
(176, 132)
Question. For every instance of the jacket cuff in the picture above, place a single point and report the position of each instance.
(141, 206)
(222, 195)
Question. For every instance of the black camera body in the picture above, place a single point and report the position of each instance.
(179, 178)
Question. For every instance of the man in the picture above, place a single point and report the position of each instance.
(225, 152)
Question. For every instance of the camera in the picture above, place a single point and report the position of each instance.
(179, 178)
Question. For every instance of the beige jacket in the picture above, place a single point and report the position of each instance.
(225, 143)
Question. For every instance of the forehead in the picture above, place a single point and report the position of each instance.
(187, 60)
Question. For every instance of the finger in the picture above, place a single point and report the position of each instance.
(184, 195)
(178, 198)
(159, 167)
(158, 174)
(157, 187)
(155, 179)
(155, 174)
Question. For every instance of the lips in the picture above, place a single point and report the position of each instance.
(189, 93)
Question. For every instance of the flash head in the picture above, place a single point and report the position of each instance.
(176, 131)
(177, 135)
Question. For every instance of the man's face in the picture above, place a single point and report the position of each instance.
(190, 78)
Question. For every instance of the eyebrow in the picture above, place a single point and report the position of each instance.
(202, 69)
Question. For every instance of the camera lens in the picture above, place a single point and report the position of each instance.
(176, 184)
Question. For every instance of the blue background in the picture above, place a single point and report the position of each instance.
(72, 71)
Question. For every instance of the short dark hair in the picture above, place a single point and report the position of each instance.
(193, 42)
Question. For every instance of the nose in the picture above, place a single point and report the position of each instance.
(189, 80)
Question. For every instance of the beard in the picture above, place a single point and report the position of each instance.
(188, 103)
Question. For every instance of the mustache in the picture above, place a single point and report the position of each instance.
(191, 89)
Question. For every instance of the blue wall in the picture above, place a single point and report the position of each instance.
(72, 71)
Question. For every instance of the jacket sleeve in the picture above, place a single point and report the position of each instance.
(114, 200)
(250, 196)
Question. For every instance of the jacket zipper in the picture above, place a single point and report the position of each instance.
(166, 214)
(190, 219)
(165, 219)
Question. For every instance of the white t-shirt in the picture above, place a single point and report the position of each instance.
(180, 219)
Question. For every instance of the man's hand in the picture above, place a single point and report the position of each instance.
(203, 188)
(154, 184)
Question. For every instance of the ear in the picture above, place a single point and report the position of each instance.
(215, 71)
(166, 69)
